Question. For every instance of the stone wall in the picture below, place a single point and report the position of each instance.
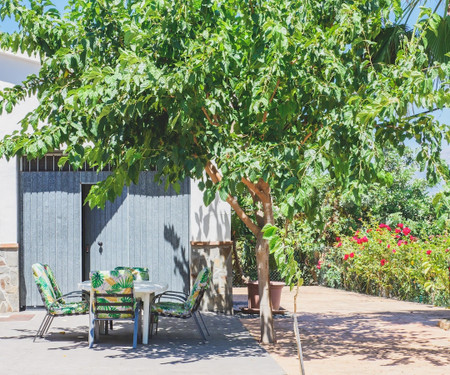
(217, 256)
(9, 278)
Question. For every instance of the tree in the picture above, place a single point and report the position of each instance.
(437, 38)
(266, 96)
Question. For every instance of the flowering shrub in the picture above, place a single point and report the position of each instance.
(391, 262)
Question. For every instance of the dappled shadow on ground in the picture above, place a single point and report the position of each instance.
(394, 337)
(177, 341)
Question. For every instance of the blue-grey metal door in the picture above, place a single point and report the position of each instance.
(50, 230)
(146, 226)
(105, 234)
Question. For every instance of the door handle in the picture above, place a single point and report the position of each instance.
(100, 244)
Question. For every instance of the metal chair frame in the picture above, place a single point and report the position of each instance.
(181, 297)
(48, 318)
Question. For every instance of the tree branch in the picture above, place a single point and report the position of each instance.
(215, 176)
(271, 98)
(304, 140)
(254, 189)
(209, 118)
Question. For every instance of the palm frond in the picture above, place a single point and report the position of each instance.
(388, 43)
(438, 40)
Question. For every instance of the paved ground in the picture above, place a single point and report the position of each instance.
(349, 333)
(177, 349)
(342, 333)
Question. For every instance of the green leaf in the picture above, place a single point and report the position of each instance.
(208, 196)
(8, 107)
(223, 194)
(176, 186)
(269, 231)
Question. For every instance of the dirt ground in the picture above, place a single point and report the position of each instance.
(349, 333)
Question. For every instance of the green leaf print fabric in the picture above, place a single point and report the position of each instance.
(116, 281)
(184, 310)
(139, 273)
(51, 294)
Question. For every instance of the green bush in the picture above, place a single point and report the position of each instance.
(390, 262)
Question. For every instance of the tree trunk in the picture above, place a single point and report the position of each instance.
(265, 303)
(261, 192)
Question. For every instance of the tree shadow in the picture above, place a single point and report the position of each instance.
(397, 338)
(177, 342)
(180, 255)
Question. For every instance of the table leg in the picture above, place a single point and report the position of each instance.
(146, 313)
(91, 322)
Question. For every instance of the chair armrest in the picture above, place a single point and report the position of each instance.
(74, 294)
(171, 295)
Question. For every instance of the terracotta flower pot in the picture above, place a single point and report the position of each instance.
(275, 294)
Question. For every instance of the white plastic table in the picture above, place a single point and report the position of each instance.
(144, 290)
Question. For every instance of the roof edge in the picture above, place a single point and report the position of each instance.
(21, 56)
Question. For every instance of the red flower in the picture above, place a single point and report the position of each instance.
(339, 244)
(364, 239)
(389, 246)
(406, 231)
(428, 252)
(446, 250)
(388, 228)
(368, 230)
(398, 230)
(352, 255)
(382, 225)
(383, 262)
(380, 241)
(394, 251)
(338, 239)
(345, 256)
(412, 238)
(400, 225)
(319, 267)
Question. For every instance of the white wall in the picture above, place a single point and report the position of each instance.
(212, 223)
(13, 69)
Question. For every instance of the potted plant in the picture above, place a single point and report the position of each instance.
(276, 288)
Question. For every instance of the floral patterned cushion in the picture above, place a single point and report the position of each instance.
(51, 294)
(51, 277)
(139, 273)
(184, 310)
(113, 282)
(173, 309)
(69, 308)
(201, 282)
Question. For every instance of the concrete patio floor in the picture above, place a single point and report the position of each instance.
(349, 333)
(341, 332)
(177, 349)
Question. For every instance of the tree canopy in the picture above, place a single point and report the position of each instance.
(275, 93)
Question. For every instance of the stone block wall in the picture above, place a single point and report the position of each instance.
(217, 256)
(9, 278)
